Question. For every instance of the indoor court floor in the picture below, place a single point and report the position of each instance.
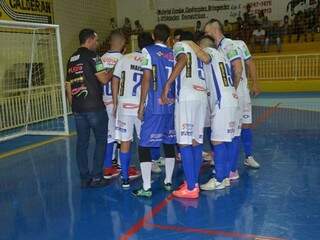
(40, 196)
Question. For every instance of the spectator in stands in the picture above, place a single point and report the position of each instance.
(127, 29)
(249, 16)
(239, 29)
(227, 28)
(138, 28)
(259, 37)
(198, 31)
(266, 24)
(317, 18)
(286, 27)
(113, 24)
(299, 25)
(261, 17)
(273, 36)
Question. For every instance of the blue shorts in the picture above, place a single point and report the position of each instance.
(157, 129)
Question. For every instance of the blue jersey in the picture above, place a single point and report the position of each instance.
(159, 59)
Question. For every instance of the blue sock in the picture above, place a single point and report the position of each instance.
(155, 153)
(188, 165)
(246, 137)
(125, 158)
(220, 161)
(197, 156)
(108, 155)
(234, 153)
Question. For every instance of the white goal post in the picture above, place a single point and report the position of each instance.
(32, 90)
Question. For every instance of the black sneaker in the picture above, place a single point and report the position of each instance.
(125, 183)
(115, 164)
(98, 182)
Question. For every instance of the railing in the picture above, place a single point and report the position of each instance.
(44, 103)
(288, 67)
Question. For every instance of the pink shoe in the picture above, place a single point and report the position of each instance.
(234, 175)
(185, 193)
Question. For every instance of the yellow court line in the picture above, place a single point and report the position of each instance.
(33, 146)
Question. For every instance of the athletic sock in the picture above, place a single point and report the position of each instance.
(246, 138)
(188, 165)
(117, 151)
(108, 155)
(146, 174)
(220, 156)
(197, 155)
(155, 153)
(169, 167)
(234, 153)
(125, 158)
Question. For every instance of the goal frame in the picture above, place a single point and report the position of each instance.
(34, 27)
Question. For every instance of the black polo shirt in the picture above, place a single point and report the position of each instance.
(85, 87)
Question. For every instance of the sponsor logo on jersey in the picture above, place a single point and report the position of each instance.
(76, 69)
(75, 58)
(109, 61)
(187, 126)
(144, 61)
(231, 54)
(166, 55)
(156, 137)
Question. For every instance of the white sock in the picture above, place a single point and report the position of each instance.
(146, 174)
(169, 166)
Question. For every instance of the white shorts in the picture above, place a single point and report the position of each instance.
(245, 107)
(111, 124)
(189, 121)
(224, 123)
(125, 125)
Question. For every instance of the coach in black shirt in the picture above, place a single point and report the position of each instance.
(85, 77)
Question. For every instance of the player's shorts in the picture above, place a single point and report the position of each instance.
(224, 122)
(245, 108)
(190, 120)
(111, 124)
(157, 129)
(125, 125)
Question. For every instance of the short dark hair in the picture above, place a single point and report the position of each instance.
(85, 34)
(214, 20)
(117, 33)
(144, 39)
(177, 32)
(186, 36)
(161, 32)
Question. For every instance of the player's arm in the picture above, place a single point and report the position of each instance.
(179, 66)
(237, 71)
(145, 85)
(102, 75)
(202, 55)
(68, 92)
(251, 67)
(117, 70)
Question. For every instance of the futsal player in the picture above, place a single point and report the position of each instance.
(223, 102)
(230, 51)
(190, 112)
(157, 119)
(110, 59)
(126, 83)
(245, 102)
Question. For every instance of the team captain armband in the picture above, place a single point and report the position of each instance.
(99, 64)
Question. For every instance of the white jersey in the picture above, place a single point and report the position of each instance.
(245, 56)
(191, 83)
(128, 70)
(109, 60)
(219, 82)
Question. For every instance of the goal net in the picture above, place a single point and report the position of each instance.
(32, 93)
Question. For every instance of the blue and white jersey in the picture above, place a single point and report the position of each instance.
(109, 60)
(245, 56)
(191, 84)
(219, 82)
(158, 58)
(129, 72)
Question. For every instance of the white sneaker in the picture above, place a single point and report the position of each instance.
(160, 161)
(212, 184)
(226, 182)
(155, 168)
(207, 156)
(250, 162)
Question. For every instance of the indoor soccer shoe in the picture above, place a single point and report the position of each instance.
(125, 183)
(133, 173)
(160, 161)
(207, 156)
(212, 184)
(226, 182)
(185, 193)
(142, 193)
(250, 162)
(109, 173)
(168, 187)
(234, 175)
(155, 168)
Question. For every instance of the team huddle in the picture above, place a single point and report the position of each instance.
(169, 96)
